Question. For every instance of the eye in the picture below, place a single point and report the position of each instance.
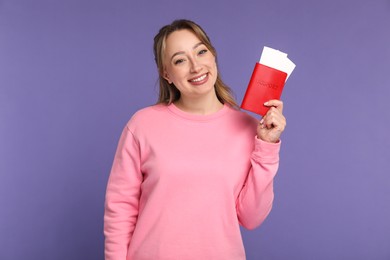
(178, 61)
(202, 51)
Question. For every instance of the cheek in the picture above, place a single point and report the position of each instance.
(175, 74)
(212, 63)
(169, 71)
(214, 67)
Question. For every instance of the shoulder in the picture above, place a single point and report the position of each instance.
(242, 118)
(154, 110)
(146, 116)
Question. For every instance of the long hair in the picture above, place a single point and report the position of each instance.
(168, 93)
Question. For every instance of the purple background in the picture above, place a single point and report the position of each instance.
(73, 72)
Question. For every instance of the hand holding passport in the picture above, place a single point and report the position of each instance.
(267, 80)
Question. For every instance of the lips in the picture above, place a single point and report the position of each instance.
(199, 80)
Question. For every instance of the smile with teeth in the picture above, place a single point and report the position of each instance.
(199, 78)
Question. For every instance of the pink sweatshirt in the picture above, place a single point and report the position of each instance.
(181, 184)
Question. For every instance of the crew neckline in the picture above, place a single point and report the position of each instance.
(196, 117)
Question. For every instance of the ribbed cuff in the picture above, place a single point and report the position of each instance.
(265, 150)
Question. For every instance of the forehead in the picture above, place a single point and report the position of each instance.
(181, 40)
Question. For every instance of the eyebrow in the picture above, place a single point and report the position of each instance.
(182, 52)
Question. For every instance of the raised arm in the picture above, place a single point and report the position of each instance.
(256, 197)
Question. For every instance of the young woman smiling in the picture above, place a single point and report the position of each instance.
(192, 168)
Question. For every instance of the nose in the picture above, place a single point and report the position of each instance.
(195, 66)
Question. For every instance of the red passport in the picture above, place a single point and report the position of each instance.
(266, 83)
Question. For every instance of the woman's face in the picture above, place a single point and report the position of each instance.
(189, 65)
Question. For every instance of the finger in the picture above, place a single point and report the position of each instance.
(274, 118)
(276, 124)
(275, 103)
(272, 113)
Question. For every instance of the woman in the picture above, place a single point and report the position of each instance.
(192, 168)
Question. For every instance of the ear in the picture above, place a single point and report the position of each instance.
(166, 77)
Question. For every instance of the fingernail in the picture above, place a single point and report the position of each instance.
(266, 103)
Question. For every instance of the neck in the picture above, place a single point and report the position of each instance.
(202, 106)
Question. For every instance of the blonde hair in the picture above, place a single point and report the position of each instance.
(168, 93)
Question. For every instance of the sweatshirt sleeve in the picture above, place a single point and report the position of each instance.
(255, 199)
(122, 197)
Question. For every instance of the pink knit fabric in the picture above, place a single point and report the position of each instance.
(181, 184)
